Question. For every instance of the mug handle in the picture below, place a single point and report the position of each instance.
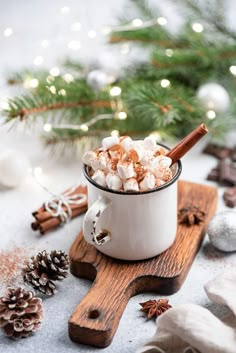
(92, 234)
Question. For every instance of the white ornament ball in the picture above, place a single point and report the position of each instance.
(214, 97)
(97, 79)
(222, 231)
(14, 168)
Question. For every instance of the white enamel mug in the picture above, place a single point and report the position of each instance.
(132, 226)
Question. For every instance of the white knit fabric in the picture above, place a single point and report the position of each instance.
(191, 328)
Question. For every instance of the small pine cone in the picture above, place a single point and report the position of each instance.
(20, 312)
(44, 269)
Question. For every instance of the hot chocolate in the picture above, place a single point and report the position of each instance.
(127, 165)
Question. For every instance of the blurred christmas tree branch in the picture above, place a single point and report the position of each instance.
(159, 95)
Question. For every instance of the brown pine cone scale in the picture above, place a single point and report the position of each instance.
(20, 312)
(44, 269)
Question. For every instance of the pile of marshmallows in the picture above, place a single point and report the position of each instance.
(123, 164)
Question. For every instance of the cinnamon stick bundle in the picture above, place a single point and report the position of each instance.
(45, 221)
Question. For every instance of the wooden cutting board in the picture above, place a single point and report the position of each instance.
(96, 318)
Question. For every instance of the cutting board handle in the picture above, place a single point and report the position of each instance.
(96, 318)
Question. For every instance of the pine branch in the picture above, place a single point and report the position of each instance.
(187, 59)
(77, 98)
(202, 57)
(155, 107)
(212, 14)
(143, 35)
(22, 113)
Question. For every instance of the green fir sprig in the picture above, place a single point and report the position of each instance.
(184, 60)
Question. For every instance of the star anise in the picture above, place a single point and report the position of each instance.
(191, 215)
(154, 308)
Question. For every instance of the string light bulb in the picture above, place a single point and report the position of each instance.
(52, 89)
(34, 83)
(31, 83)
(55, 71)
(115, 91)
(47, 127)
(84, 127)
(169, 52)
(211, 114)
(162, 21)
(122, 115)
(137, 22)
(165, 83)
(232, 69)
(68, 78)
(62, 92)
(197, 27)
(50, 79)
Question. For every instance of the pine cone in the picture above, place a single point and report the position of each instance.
(20, 312)
(44, 269)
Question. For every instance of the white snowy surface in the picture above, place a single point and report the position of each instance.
(33, 21)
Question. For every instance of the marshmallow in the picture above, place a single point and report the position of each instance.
(88, 156)
(148, 182)
(131, 156)
(159, 162)
(99, 177)
(116, 151)
(159, 151)
(100, 161)
(147, 158)
(95, 164)
(110, 141)
(164, 173)
(112, 164)
(149, 143)
(138, 143)
(164, 161)
(140, 172)
(139, 165)
(113, 181)
(131, 185)
(138, 147)
(167, 176)
(125, 169)
(154, 163)
(159, 182)
(126, 143)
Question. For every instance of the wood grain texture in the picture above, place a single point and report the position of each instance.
(96, 318)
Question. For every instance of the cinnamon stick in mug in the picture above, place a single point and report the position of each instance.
(187, 143)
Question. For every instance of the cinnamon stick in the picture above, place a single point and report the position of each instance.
(45, 215)
(45, 222)
(54, 222)
(187, 143)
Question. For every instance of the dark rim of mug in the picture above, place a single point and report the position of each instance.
(176, 176)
